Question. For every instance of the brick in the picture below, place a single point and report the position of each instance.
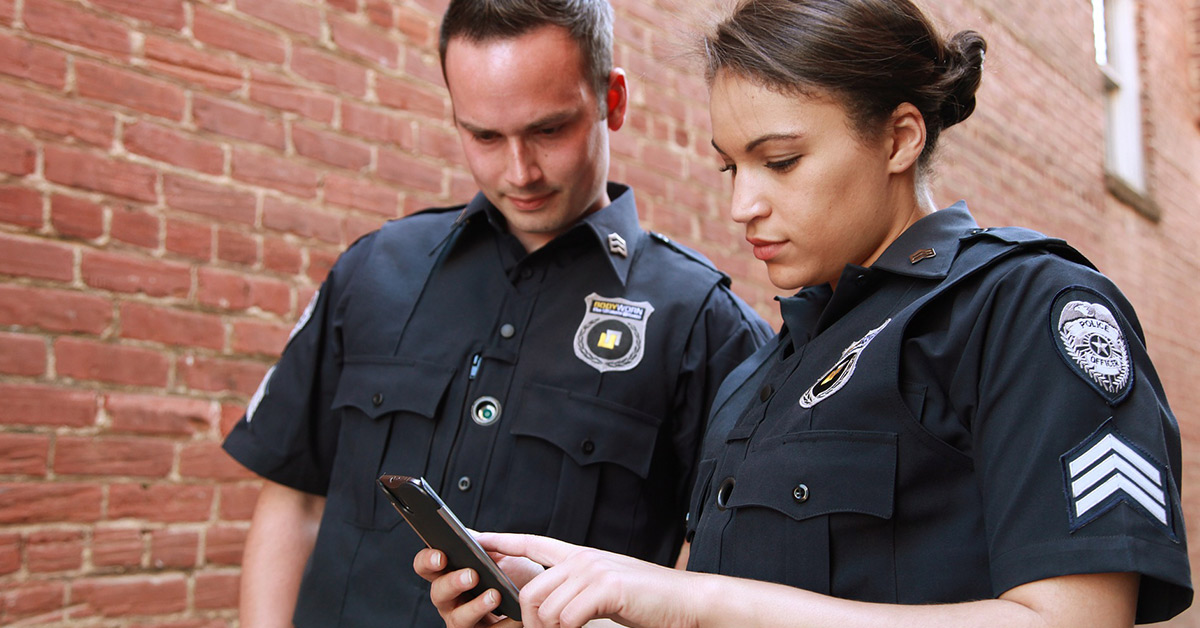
(107, 455)
(117, 547)
(278, 92)
(360, 194)
(17, 155)
(54, 550)
(277, 173)
(68, 23)
(238, 121)
(433, 141)
(208, 199)
(350, 6)
(237, 502)
(192, 66)
(374, 124)
(354, 227)
(169, 326)
(159, 414)
(420, 28)
(316, 65)
(22, 354)
(42, 502)
(33, 599)
(129, 89)
(167, 145)
(380, 13)
(215, 591)
(223, 545)
(76, 217)
(406, 96)
(364, 41)
(281, 256)
(58, 116)
(426, 67)
(409, 172)
(189, 239)
(171, 548)
(164, 503)
(10, 556)
(319, 265)
(38, 259)
(135, 274)
(165, 13)
(226, 31)
(302, 19)
(103, 362)
(24, 454)
(46, 406)
(258, 338)
(19, 205)
(219, 375)
(236, 247)
(330, 148)
(135, 226)
(8, 11)
(207, 461)
(131, 595)
(100, 173)
(302, 220)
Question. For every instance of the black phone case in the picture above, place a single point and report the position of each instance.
(433, 521)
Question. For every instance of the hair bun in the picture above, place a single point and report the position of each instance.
(963, 71)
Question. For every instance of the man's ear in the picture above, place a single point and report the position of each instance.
(907, 132)
(616, 99)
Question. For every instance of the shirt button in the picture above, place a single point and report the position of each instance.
(800, 493)
(765, 393)
(464, 484)
(723, 493)
(587, 446)
(377, 399)
(485, 410)
(507, 331)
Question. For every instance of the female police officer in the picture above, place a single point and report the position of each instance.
(956, 426)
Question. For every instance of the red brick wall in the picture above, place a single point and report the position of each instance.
(176, 177)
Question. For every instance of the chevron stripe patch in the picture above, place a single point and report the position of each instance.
(1106, 470)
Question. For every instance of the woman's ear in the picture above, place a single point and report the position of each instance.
(907, 132)
(616, 99)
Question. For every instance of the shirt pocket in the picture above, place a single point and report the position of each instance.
(579, 464)
(378, 395)
(804, 502)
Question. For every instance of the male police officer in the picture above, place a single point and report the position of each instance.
(541, 360)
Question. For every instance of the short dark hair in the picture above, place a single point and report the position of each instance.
(589, 23)
(872, 55)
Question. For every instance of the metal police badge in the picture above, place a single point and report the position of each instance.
(1092, 341)
(612, 334)
(835, 378)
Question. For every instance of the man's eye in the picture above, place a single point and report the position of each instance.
(550, 130)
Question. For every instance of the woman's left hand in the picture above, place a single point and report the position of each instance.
(581, 584)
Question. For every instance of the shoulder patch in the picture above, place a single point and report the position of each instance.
(1107, 469)
(1092, 341)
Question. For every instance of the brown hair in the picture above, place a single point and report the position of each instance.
(871, 54)
(589, 23)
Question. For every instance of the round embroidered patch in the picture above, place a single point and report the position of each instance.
(1092, 341)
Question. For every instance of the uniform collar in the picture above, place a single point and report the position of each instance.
(614, 228)
(927, 248)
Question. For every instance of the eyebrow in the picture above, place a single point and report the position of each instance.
(560, 117)
(762, 139)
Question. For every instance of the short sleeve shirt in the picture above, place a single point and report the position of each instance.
(974, 412)
(561, 392)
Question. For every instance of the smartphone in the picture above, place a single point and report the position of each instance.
(433, 521)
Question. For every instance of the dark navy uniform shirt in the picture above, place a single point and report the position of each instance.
(563, 392)
(973, 412)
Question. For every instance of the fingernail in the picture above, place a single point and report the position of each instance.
(437, 560)
(492, 598)
(466, 577)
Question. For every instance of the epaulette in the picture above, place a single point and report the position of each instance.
(695, 256)
(1029, 238)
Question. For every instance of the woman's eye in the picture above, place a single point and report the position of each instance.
(728, 168)
(783, 165)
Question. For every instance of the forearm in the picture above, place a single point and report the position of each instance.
(281, 538)
(1097, 601)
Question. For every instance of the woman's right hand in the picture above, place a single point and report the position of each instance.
(448, 591)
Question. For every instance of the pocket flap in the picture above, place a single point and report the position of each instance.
(821, 472)
(379, 385)
(588, 429)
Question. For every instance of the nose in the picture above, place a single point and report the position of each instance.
(748, 201)
(523, 169)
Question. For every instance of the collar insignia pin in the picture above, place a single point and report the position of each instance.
(616, 245)
(921, 255)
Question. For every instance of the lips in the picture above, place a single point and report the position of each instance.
(765, 250)
(530, 203)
